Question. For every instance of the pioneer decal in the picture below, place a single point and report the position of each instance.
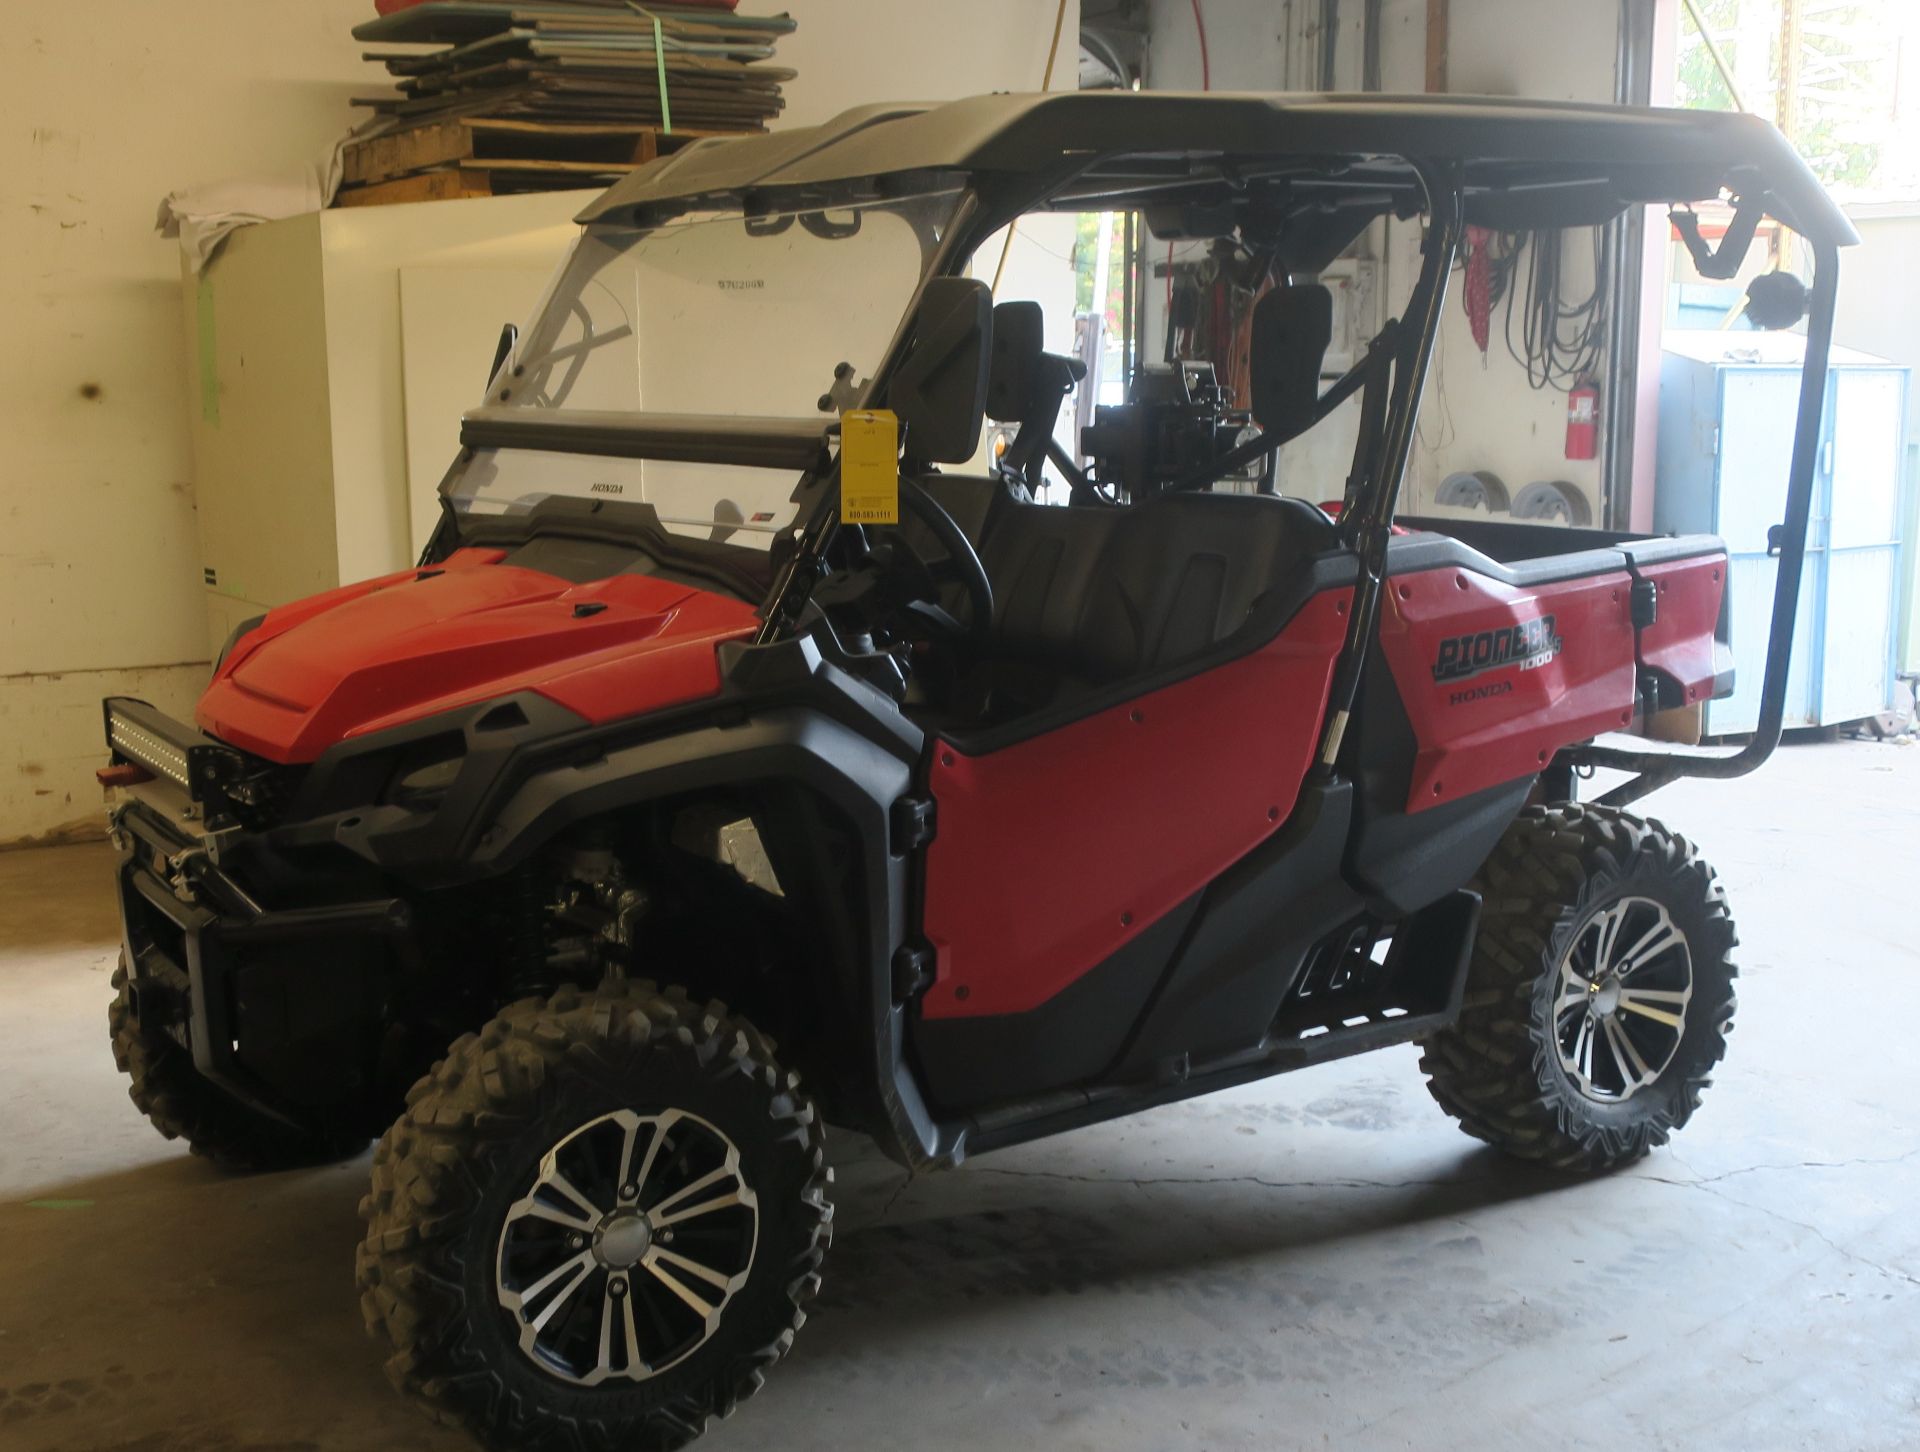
(1527, 645)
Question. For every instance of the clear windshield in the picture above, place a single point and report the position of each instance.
(716, 314)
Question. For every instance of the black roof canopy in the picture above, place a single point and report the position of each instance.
(1522, 163)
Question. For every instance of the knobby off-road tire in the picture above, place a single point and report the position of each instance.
(1557, 881)
(167, 1088)
(554, 1132)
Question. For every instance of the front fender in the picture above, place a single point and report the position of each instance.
(785, 716)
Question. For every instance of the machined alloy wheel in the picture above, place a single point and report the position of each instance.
(1625, 981)
(1600, 992)
(621, 1259)
(597, 1224)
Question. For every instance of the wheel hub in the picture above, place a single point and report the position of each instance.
(1625, 979)
(620, 1259)
(622, 1240)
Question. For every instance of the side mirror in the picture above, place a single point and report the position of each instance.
(502, 350)
(939, 389)
(1292, 328)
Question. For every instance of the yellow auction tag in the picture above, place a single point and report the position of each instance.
(869, 467)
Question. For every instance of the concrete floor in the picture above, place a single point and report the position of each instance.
(1320, 1260)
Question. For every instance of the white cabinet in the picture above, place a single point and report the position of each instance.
(1727, 411)
(312, 465)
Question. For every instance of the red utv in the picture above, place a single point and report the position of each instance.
(681, 800)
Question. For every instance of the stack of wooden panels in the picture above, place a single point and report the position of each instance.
(541, 94)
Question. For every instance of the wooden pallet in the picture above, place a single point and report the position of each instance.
(427, 186)
(460, 158)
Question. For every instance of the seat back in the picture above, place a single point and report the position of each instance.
(1019, 342)
(1044, 561)
(1102, 594)
(973, 502)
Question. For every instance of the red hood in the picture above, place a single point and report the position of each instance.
(388, 651)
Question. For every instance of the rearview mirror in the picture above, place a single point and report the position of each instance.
(1292, 328)
(939, 390)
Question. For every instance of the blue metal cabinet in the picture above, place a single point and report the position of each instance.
(1727, 402)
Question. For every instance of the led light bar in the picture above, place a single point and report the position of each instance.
(160, 757)
(203, 767)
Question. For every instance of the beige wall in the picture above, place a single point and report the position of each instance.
(850, 52)
(1879, 309)
(1483, 414)
(111, 104)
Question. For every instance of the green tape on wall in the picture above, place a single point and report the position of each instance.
(209, 362)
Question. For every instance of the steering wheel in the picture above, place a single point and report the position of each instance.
(960, 564)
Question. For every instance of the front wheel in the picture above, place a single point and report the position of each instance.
(1600, 992)
(597, 1223)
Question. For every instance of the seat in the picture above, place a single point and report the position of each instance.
(1188, 573)
(1087, 597)
(1045, 563)
(972, 500)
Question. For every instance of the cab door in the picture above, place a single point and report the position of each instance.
(1066, 863)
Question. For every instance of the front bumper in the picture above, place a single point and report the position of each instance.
(207, 964)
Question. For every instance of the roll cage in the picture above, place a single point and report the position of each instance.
(1303, 175)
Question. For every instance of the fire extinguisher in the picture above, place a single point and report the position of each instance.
(1583, 420)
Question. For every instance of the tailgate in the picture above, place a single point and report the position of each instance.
(1680, 616)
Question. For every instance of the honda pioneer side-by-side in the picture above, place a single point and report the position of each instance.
(753, 748)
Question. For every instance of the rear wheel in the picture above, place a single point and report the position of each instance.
(1600, 992)
(167, 1088)
(597, 1223)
